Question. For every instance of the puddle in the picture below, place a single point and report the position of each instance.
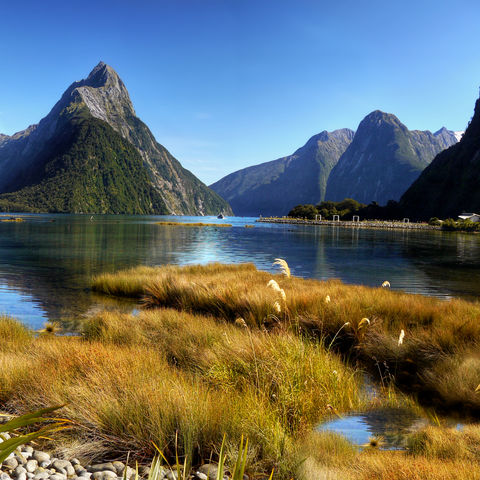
(393, 425)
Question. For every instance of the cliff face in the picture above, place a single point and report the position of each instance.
(384, 159)
(103, 96)
(273, 188)
(450, 184)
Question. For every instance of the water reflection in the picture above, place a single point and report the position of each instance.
(392, 425)
(46, 262)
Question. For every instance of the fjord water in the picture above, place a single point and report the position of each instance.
(47, 261)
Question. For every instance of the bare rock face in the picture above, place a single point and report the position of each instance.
(103, 95)
(383, 160)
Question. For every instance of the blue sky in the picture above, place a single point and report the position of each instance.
(225, 84)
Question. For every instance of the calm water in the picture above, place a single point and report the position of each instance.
(391, 425)
(46, 261)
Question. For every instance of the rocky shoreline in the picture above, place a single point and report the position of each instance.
(396, 225)
(26, 463)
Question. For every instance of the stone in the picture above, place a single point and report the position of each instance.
(119, 467)
(75, 461)
(101, 467)
(19, 470)
(30, 475)
(201, 476)
(28, 449)
(22, 476)
(105, 475)
(31, 465)
(41, 457)
(171, 475)
(58, 476)
(4, 476)
(42, 475)
(10, 463)
(209, 469)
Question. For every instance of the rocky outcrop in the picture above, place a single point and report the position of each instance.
(103, 96)
(383, 159)
(273, 188)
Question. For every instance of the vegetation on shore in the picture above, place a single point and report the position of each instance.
(435, 331)
(230, 350)
(346, 209)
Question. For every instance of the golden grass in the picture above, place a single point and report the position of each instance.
(193, 224)
(433, 330)
(130, 380)
(436, 453)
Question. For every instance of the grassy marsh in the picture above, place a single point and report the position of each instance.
(224, 350)
(438, 335)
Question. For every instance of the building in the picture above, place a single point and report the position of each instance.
(474, 217)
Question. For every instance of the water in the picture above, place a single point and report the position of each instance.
(47, 261)
(391, 425)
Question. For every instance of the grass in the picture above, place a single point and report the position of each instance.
(197, 224)
(229, 352)
(435, 332)
(133, 380)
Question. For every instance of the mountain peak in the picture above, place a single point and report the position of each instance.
(102, 75)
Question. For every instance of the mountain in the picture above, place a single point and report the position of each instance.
(383, 159)
(450, 184)
(92, 154)
(273, 188)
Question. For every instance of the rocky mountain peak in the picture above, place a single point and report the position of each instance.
(101, 76)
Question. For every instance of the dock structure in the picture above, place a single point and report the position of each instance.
(356, 223)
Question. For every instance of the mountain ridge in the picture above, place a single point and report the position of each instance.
(271, 188)
(383, 159)
(103, 95)
(449, 185)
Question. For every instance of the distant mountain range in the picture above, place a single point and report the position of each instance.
(92, 154)
(376, 163)
(383, 160)
(450, 184)
(273, 188)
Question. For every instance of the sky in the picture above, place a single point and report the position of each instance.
(225, 84)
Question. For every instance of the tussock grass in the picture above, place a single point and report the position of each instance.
(433, 330)
(130, 380)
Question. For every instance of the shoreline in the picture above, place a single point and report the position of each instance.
(350, 224)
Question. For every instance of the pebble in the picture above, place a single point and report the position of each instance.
(58, 476)
(106, 475)
(31, 466)
(209, 469)
(41, 475)
(41, 457)
(10, 463)
(101, 467)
